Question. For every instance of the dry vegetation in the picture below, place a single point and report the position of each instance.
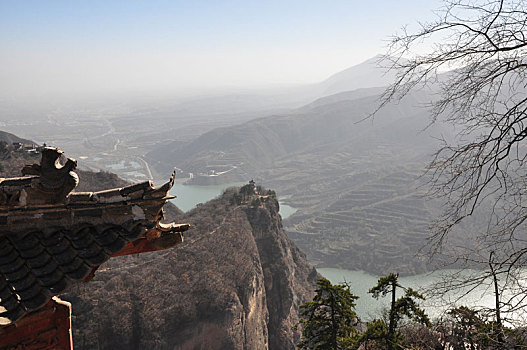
(236, 282)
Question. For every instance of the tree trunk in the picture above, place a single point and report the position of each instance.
(334, 325)
(499, 331)
(391, 326)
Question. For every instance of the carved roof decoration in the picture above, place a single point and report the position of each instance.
(51, 237)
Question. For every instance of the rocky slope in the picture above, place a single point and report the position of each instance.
(235, 283)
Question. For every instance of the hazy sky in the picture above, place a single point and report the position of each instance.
(71, 46)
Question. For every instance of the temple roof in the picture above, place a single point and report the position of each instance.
(51, 237)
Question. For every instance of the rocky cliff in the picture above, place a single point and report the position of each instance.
(235, 283)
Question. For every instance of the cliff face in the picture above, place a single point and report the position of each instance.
(235, 283)
(285, 271)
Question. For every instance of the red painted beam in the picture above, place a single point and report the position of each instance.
(156, 239)
(46, 329)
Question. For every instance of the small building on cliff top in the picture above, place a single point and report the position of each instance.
(51, 237)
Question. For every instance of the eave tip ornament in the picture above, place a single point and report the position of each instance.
(51, 237)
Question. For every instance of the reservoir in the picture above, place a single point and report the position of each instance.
(286, 210)
(368, 308)
(188, 196)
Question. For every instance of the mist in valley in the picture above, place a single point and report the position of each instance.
(287, 95)
(277, 100)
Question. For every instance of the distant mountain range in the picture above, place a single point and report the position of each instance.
(326, 126)
(326, 120)
(204, 113)
(355, 179)
(368, 74)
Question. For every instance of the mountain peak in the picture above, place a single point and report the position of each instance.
(367, 74)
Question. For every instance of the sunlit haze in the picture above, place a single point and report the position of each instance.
(306, 158)
(67, 48)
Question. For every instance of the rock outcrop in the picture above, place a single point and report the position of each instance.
(236, 283)
(284, 267)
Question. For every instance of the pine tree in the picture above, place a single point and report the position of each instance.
(327, 321)
(404, 306)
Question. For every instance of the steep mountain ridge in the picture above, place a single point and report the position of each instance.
(235, 283)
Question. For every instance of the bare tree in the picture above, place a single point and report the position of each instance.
(474, 58)
(481, 47)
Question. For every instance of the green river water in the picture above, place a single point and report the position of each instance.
(367, 307)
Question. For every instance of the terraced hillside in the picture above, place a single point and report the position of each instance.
(375, 225)
(357, 184)
(359, 208)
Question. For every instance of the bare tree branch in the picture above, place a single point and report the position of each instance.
(474, 56)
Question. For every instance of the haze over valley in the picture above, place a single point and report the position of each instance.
(355, 181)
(315, 148)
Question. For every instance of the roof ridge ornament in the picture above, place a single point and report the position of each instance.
(55, 180)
